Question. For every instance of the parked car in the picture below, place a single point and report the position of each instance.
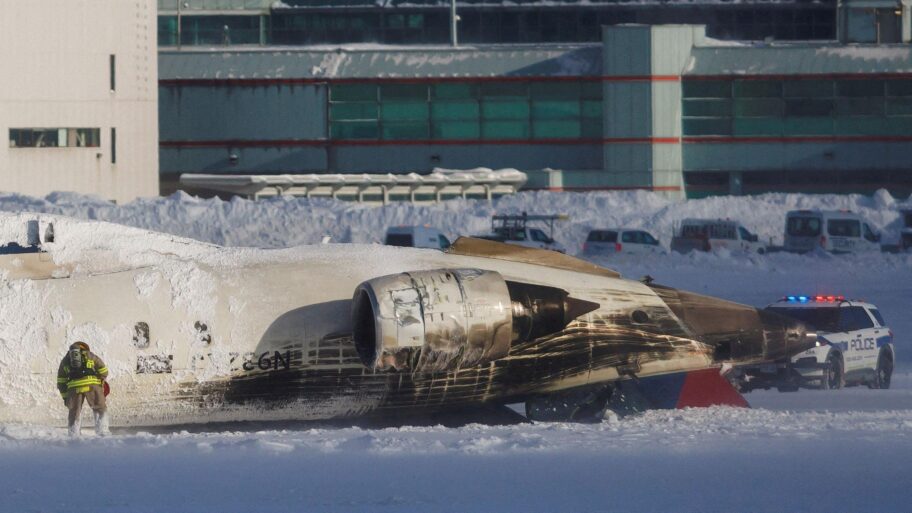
(854, 347)
(416, 237)
(515, 229)
(714, 234)
(621, 240)
(836, 231)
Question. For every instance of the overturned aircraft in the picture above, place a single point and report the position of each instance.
(195, 333)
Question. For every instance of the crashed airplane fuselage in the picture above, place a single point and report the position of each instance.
(198, 333)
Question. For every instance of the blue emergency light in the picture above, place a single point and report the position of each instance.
(818, 299)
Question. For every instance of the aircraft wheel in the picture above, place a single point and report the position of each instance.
(884, 372)
(833, 375)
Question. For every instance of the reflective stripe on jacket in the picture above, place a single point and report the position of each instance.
(94, 373)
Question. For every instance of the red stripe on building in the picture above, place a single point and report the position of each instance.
(801, 76)
(279, 143)
(796, 139)
(265, 82)
(654, 188)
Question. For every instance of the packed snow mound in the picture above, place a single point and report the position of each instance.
(285, 221)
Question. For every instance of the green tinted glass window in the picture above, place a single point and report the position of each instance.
(403, 110)
(515, 90)
(405, 130)
(860, 106)
(455, 110)
(899, 106)
(859, 88)
(901, 87)
(591, 128)
(505, 130)
(505, 109)
(707, 108)
(591, 109)
(758, 126)
(808, 107)
(706, 88)
(167, 30)
(556, 129)
(759, 107)
(353, 92)
(456, 130)
(403, 92)
(861, 126)
(758, 88)
(363, 110)
(707, 126)
(455, 90)
(897, 126)
(807, 88)
(807, 126)
(554, 109)
(554, 90)
(591, 90)
(354, 130)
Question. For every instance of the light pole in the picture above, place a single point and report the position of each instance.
(454, 38)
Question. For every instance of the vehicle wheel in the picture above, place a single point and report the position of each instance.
(833, 377)
(884, 372)
(791, 387)
(761, 251)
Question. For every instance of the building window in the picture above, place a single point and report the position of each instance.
(798, 107)
(113, 145)
(112, 72)
(54, 137)
(167, 31)
(219, 30)
(505, 110)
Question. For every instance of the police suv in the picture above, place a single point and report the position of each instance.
(854, 347)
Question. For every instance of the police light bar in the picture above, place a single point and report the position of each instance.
(815, 299)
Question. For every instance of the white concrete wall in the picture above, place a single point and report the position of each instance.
(54, 73)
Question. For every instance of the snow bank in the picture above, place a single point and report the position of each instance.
(285, 222)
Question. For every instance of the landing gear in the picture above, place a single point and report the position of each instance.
(585, 404)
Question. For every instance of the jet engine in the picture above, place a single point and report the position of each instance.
(430, 321)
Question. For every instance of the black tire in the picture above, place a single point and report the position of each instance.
(761, 251)
(791, 387)
(833, 376)
(884, 372)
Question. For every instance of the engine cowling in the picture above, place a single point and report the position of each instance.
(430, 321)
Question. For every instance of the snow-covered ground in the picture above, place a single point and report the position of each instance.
(846, 450)
(807, 451)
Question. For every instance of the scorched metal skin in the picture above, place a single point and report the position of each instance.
(273, 337)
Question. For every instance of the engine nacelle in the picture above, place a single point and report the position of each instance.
(430, 321)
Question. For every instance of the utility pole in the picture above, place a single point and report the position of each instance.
(179, 2)
(454, 38)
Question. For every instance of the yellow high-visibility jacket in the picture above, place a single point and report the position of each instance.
(92, 372)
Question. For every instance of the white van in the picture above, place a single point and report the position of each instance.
(621, 241)
(836, 231)
(713, 235)
(416, 237)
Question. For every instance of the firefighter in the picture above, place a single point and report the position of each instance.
(81, 377)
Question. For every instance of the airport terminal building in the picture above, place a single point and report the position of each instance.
(79, 98)
(296, 87)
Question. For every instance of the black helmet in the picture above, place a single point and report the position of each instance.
(79, 345)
